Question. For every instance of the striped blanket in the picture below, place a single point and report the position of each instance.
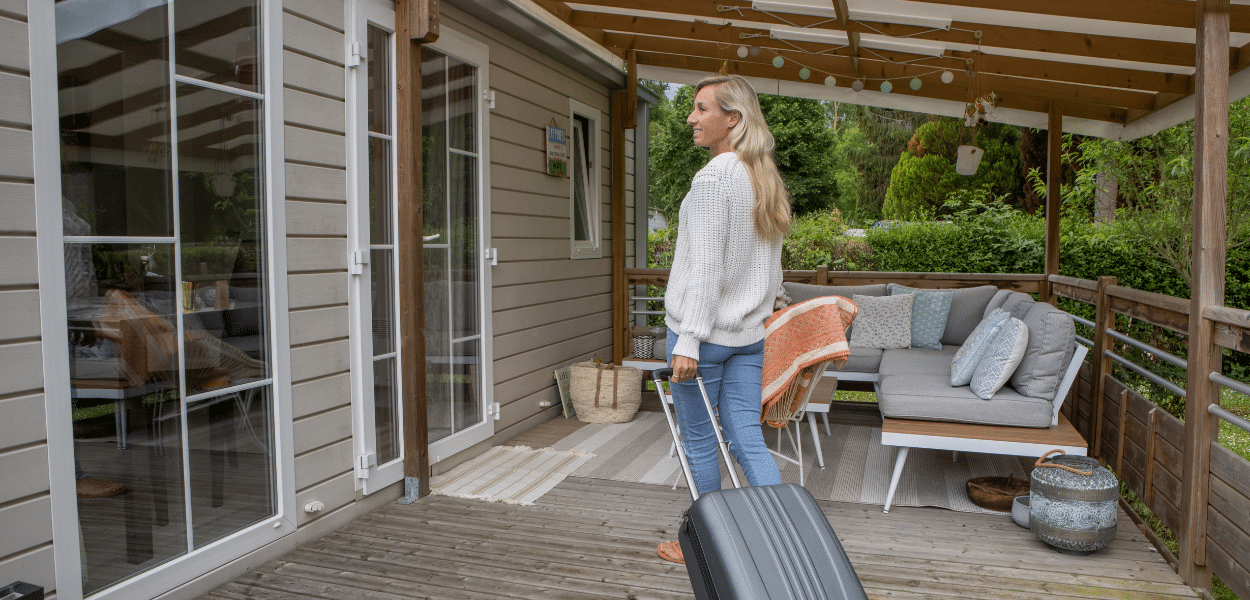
(802, 335)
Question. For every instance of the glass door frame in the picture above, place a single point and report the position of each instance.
(470, 51)
(362, 14)
(53, 316)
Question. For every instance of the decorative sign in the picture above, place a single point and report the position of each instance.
(564, 380)
(557, 151)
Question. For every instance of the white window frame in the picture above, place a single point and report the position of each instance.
(50, 242)
(466, 49)
(592, 248)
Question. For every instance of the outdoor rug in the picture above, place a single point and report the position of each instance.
(509, 474)
(857, 467)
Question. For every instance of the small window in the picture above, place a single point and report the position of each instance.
(584, 188)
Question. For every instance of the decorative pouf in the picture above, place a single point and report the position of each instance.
(1072, 503)
(1020, 511)
(644, 346)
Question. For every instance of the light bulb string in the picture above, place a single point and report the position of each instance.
(935, 70)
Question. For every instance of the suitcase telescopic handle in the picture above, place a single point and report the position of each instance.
(667, 373)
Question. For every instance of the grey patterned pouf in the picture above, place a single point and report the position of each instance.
(1074, 513)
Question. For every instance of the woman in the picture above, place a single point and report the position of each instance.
(725, 275)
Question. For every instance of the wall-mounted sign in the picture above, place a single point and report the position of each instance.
(557, 151)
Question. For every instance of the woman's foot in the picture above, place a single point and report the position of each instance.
(670, 551)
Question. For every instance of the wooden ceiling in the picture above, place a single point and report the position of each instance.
(1106, 64)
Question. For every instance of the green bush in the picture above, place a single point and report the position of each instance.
(811, 241)
(925, 176)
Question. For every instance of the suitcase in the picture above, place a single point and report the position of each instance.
(769, 542)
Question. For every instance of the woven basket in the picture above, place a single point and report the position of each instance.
(996, 493)
(604, 393)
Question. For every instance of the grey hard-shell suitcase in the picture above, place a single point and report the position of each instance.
(769, 542)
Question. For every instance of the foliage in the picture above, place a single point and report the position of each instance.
(803, 140)
(925, 174)
(811, 241)
(870, 142)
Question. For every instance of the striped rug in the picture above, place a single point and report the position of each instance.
(509, 474)
(857, 467)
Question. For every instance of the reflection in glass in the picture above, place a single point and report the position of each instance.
(223, 239)
(379, 80)
(466, 388)
(114, 112)
(461, 106)
(464, 244)
(434, 143)
(123, 363)
(437, 344)
(232, 463)
(386, 408)
(582, 196)
(382, 270)
(216, 41)
(380, 205)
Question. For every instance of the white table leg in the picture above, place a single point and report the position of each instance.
(825, 417)
(898, 471)
(820, 454)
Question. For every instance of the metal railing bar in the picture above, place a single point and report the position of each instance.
(1084, 322)
(647, 312)
(1227, 416)
(1144, 347)
(1161, 382)
(1085, 340)
(646, 297)
(1231, 384)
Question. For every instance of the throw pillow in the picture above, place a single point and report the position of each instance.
(928, 315)
(969, 354)
(967, 309)
(1001, 360)
(1052, 340)
(883, 321)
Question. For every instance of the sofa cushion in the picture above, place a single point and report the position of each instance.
(883, 321)
(917, 361)
(929, 397)
(1052, 340)
(967, 308)
(996, 302)
(863, 360)
(1001, 359)
(799, 292)
(964, 364)
(928, 316)
(1017, 304)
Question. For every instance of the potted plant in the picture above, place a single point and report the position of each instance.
(969, 156)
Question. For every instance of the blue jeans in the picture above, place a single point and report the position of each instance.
(732, 379)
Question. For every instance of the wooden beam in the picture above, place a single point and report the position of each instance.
(1207, 287)
(838, 66)
(994, 36)
(1054, 199)
(620, 286)
(1104, 319)
(631, 90)
(1168, 13)
(408, 247)
(852, 37)
(423, 15)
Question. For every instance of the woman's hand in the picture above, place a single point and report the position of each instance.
(684, 369)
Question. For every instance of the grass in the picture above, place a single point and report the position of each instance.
(1231, 436)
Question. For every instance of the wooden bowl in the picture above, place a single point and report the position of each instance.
(996, 493)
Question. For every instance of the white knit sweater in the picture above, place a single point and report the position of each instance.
(724, 275)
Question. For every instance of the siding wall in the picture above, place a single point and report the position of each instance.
(316, 206)
(25, 506)
(549, 310)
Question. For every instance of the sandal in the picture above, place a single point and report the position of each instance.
(670, 551)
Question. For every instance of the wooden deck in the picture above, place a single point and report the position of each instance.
(591, 538)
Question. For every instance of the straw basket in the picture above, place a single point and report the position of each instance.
(604, 393)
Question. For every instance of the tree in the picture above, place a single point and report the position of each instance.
(925, 174)
(803, 151)
(870, 143)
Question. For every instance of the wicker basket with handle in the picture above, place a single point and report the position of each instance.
(605, 393)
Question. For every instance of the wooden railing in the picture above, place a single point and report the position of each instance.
(1145, 444)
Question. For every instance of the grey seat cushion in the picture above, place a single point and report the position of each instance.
(863, 360)
(1052, 341)
(930, 397)
(918, 361)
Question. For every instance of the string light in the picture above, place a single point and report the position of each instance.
(886, 87)
(742, 51)
(805, 73)
(778, 61)
(947, 77)
(858, 85)
(830, 81)
(915, 83)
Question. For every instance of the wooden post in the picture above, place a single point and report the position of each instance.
(1104, 319)
(1210, 195)
(408, 247)
(1054, 180)
(631, 95)
(822, 275)
(620, 287)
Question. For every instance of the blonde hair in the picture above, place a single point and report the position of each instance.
(754, 143)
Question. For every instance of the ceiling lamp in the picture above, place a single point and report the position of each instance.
(876, 17)
(795, 9)
(828, 36)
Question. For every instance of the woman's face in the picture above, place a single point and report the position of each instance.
(711, 124)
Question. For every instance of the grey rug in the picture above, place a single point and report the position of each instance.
(857, 467)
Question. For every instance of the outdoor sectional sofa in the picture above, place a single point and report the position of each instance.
(914, 384)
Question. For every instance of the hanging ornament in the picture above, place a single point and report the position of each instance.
(915, 83)
(755, 50)
(804, 73)
(742, 51)
(886, 87)
(778, 61)
(830, 81)
(947, 77)
(858, 85)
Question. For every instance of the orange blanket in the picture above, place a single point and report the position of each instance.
(801, 335)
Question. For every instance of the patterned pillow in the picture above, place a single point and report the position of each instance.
(928, 315)
(969, 354)
(1004, 355)
(883, 322)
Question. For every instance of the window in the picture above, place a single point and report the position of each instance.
(584, 188)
